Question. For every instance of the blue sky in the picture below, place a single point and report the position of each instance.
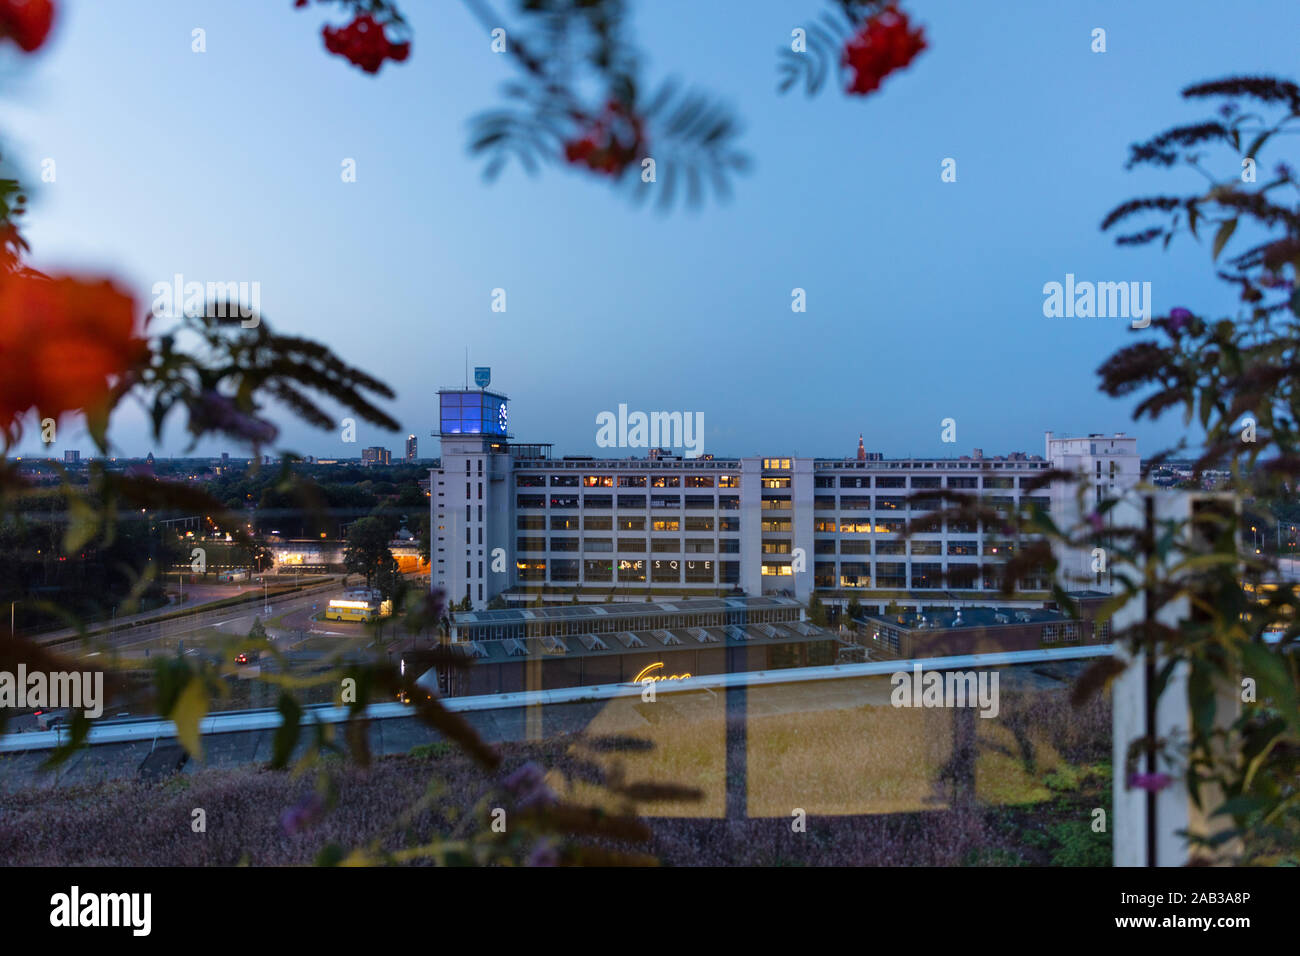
(924, 298)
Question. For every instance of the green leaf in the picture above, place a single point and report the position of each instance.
(83, 523)
(1221, 237)
(286, 735)
(1240, 806)
(1270, 669)
(78, 731)
(191, 707)
(330, 855)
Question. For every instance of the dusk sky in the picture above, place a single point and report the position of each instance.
(924, 298)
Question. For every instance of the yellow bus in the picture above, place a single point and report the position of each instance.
(341, 609)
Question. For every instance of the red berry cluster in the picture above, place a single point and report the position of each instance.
(882, 46)
(26, 22)
(610, 143)
(363, 42)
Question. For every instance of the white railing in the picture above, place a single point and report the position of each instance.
(235, 721)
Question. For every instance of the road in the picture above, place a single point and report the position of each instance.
(235, 621)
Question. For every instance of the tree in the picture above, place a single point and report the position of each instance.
(366, 549)
(410, 496)
(424, 538)
(853, 611)
(388, 517)
(258, 631)
(816, 611)
(388, 577)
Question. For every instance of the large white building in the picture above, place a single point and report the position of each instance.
(507, 518)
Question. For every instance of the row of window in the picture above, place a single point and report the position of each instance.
(963, 482)
(626, 481)
(880, 503)
(890, 526)
(900, 503)
(635, 570)
(723, 523)
(953, 547)
(923, 575)
(631, 545)
(919, 482)
(606, 502)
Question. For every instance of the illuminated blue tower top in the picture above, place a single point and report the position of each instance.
(467, 412)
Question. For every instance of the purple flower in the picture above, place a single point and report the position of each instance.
(302, 814)
(1150, 782)
(1178, 319)
(528, 784)
(217, 412)
(1096, 521)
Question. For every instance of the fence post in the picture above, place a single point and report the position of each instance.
(1151, 825)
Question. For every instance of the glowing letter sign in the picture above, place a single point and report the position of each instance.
(645, 677)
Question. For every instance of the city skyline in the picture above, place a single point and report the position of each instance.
(904, 327)
(86, 454)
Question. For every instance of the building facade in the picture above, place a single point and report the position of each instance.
(510, 519)
(375, 455)
(412, 448)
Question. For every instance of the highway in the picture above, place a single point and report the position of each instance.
(233, 620)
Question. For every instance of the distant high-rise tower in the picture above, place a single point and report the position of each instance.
(375, 455)
(862, 451)
(411, 448)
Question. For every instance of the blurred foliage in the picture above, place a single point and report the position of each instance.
(1235, 378)
(564, 50)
